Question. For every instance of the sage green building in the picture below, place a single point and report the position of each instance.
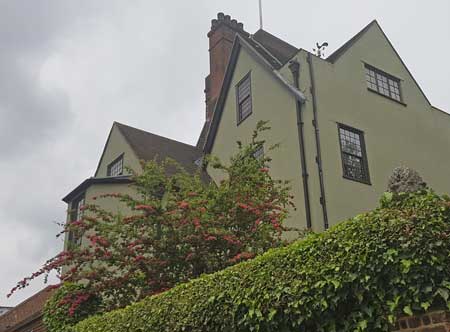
(344, 122)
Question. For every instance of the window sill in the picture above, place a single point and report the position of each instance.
(366, 182)
(387, 97)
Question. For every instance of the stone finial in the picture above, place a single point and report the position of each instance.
(405, 179)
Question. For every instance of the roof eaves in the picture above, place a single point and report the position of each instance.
(440, 110)
(89, 182)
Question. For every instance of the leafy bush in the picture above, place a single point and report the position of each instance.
(56, 317)
(358, 276)
(177, 228)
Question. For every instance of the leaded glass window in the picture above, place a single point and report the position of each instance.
(116, 167)
(383, 83)
(353, 153)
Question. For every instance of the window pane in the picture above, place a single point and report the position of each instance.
(354, 160)
(245, 108)
(244, 89)
(383, 83)
(259, 153)
(353, 167)
(116, 168)
(350, 142)
(370, 78)
(244, 98)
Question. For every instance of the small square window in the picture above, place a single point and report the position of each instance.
(353, 154)
(116, 167)
(383, 83)
(244, 98)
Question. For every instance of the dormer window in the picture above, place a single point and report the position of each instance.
(383, 83)
(116, 167)
(244, 98)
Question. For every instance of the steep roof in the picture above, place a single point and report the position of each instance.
(149, 146)
(278, 48)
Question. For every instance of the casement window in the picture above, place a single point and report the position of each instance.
(383, 83)
(259, 152)
(244, 98)
(116, 167)
(353, 153)
(76, 214)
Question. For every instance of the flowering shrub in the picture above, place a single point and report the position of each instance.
(180, 228)
(358, 276)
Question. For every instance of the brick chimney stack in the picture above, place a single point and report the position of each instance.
(221, 37)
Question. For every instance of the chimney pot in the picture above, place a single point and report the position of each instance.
(227, 18)
(220, 16)
(214, 23)
(240, 26)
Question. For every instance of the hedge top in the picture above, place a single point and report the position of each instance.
(358, 276)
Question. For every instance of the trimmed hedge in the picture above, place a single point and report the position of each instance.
(55, 316)
(358, 276)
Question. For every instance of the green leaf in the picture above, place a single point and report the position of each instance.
(407, 310)
(425, 305)
(444, 293)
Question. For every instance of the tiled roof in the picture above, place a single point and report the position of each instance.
(148, 146)
(278, 48)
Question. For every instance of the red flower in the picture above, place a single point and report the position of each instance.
(147, 208)
(242, 256)
(183, 205)
(210, 238)
(243, 206)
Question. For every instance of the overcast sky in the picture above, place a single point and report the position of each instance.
(68, 69)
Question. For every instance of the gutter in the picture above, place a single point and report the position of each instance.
(294, 67)
(315, 123)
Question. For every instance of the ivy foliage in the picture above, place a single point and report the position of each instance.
(358, 276)
(61, 302)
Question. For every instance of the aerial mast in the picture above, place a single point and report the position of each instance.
(260, 15)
